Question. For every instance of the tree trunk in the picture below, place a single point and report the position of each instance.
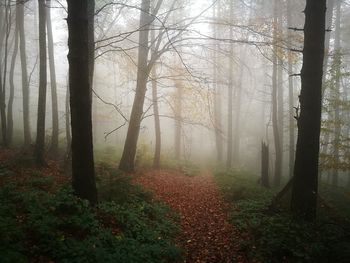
(178, 119)
(128, 156)
(2, 36)
(305, 183)
(12, 88)
(156, 160)
(68, 128)
(290, 93)
(337, 120)
(3, 88)
(217, 96)
(158, 139)
(79, 57)
(40, 131)
(276, 131)
(265, 165)
(236, 131)
(55, 128)
(280, 94)
(25, 84)
(230, 99)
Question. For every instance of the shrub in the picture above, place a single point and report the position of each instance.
(41, 225)
(276, 236)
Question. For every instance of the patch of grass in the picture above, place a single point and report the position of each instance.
(126, 226)
(276, 236)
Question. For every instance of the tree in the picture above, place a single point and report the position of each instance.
(128, 156)
(67, 120)
(275, 115)
(79, 58)
(158, 141)
(230, 98)
(217, 93)
(178, 118)
(54, 138)
(12, 87)
(157, 147)
(305, 182)
(280, 91)
(265, 165)
(290, 92)
(40, 131)
(5, 34)
(25, 83)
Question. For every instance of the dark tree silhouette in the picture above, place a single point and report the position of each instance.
(305, 189)
(274, 94)
(51, 53)
(40, 131)
(24, 71)
(80, 18)
(265, 165)
(12, 87)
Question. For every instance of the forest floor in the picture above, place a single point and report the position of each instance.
(207, 235)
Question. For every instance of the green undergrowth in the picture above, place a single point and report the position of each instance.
(275, 235)
(40, 223)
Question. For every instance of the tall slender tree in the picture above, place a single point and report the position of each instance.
(25, 82)
(217, 90)
(280, 90)
(12, 87)
(158, 138)
(305, 182)
(178, 119)
(40, 130)
(290, 92)
(54, 137)
(128, 156)
(80, 19)
(230, 98)
(7, 28)
(275, 126)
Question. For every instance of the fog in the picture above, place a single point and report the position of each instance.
(206, 50)
(233, 114)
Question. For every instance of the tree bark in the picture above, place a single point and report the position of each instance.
(230, 99)
(12, 88)
(68, 128)
(217, 96)
(2, 36)
(40, 131)
(237, 122)
(79, 42)
(275, 124)
(55, 125)
(290, 93)
(280, 92)
(305, 183)
(25, 84)
(156, 159)
(265, 165)
(128, 156)
(3, 88)
(178, 119)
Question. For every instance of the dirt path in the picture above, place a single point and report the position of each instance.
(206, 234)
